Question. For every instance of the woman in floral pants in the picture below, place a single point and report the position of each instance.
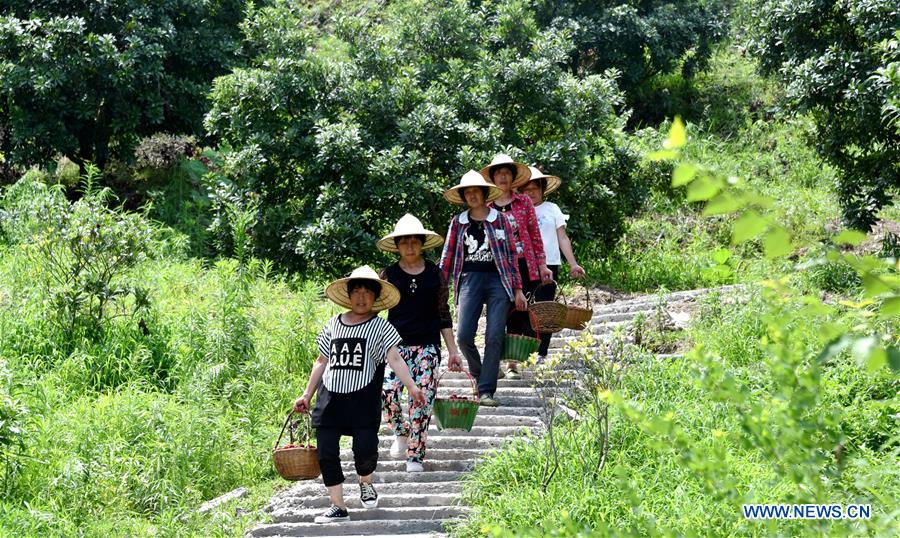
(421, 317)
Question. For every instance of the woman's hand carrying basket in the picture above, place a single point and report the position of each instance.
(577, 318)
(518, 347)
(296, 461)
(456, 412)
(550, 314)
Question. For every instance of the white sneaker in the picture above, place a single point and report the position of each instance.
(398, 447)
(414, 467)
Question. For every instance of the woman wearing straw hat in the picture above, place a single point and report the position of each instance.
(508, 175)
(421, 317)
(481, 258)
(552, 223)
(348, 375)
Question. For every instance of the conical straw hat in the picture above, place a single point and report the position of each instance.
(409, 225)
(337, 290)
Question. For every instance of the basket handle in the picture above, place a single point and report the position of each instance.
(437, 382)
(531, 298)
(535, 322)
(307, 429)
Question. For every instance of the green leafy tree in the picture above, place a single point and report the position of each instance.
(337, 135)
(87, 79)
(641, 39)
(835, 59)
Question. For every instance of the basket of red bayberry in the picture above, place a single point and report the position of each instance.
(297, 460)
(456, 412)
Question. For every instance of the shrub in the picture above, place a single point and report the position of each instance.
(81, 252)
(835, 60)
(334, 150)
(87, 83)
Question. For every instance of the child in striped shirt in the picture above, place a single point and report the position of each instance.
(348, 375)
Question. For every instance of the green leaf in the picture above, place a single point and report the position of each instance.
(683, 174)
(677, 135)
(834, 347)
(777, 242)
(893, 355)
(874, 285)
(702, 189)
(723, 203)
(721, 256)
(662, 155)
(891, 306)
(749, 225)
(876, 359)
(862, 348)
(849, 237)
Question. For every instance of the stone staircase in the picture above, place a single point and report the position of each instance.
(422, 504)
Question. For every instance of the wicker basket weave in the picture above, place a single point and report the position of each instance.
(456, 412)
(296, 462)
(550, 314)
(577, 318)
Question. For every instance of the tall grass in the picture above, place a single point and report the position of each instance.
(687, 451)
(124, 431)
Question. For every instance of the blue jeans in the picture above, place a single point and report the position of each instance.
(477, 289)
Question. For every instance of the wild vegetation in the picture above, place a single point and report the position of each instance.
(175, 194)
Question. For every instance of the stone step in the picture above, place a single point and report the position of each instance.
(388, 527)
(431, 454)
(489, 420)
(506, 411)
(305, 515)
(606, 317)
(501, 383)
(400, 465)
(315, 488)
(457, 441)
(403, 476)
(417, 535)
(384, 501)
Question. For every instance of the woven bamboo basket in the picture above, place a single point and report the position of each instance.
(296, 461)
(577, 318)
(550, 314)
(518, 347)
(456, 412)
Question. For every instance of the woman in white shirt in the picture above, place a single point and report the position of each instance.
(552, 223)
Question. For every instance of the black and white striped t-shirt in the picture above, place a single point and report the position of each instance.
(354, 351)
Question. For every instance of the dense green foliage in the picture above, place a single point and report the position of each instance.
(785, 396)
(86, 79)
(155, 401)
(750, 417)
(640, 40)
(396, 108)
(838, 62)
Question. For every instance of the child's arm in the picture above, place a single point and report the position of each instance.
(315, 377)
(398, 365)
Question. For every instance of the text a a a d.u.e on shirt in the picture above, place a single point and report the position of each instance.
(354, 352)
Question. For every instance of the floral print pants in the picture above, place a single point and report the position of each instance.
(423, 363)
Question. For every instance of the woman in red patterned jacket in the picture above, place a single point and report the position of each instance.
(508, 175)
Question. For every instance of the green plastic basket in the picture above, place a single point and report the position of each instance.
(518, 347)
(456, 412)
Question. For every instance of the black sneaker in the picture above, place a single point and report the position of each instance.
(368, 495)
(333, 515)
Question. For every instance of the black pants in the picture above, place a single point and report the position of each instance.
(365, 452)
(519, 322)
(547, 293)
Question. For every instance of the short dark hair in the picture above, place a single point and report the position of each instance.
(485, 192)
(511, 168)
(541, 183)
(420, 237)
(366, 283)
